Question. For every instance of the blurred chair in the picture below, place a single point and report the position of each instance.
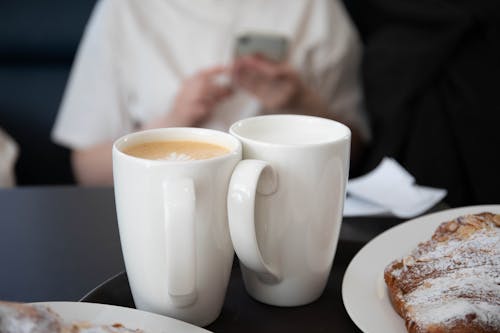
(38, 39)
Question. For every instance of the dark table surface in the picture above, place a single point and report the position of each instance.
(59, 243)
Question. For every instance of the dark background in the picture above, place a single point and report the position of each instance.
(38, 40)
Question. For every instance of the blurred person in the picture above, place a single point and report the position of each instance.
(9, 151)
(159, 63)
(431, 72)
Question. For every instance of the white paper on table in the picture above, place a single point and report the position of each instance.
(389, 189)
(355, 206)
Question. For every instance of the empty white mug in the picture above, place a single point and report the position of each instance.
(285, 204)
(173, 226)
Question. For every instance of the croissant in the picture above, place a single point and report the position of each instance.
(451, 283)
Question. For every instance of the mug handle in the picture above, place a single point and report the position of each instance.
(250, 177)
(179, 203)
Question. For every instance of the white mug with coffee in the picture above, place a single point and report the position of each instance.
(285, 204)
(170, 191)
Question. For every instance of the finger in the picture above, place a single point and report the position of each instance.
(264, 67)
(249, 74)
(224, 91)
(213, 94)
(250, 80)
(239, 71)
(221, 93)
(216, 70)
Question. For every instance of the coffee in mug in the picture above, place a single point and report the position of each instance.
(176, 150)
(172, 219)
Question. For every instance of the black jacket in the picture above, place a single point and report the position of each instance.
(431, 75)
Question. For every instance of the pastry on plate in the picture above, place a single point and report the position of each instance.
(27, 318)
(451, 282)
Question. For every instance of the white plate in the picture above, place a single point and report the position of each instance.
(363, 289)
(103, 314)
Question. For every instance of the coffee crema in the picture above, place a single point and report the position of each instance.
(176, 150)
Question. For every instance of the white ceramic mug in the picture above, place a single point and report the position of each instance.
(173, 225)
(285, 204)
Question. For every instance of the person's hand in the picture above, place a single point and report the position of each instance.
(276, 85)
(196, 99)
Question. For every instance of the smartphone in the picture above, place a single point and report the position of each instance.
(274, 47)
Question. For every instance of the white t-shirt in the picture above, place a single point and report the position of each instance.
(135, 54)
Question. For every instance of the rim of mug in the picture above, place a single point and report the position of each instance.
(235, 150)
(239, 123)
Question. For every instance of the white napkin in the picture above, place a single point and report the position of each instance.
(389, 190)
